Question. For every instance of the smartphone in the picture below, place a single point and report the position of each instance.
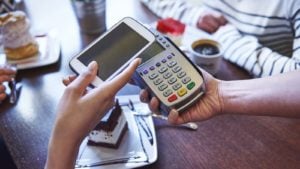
(114, 50)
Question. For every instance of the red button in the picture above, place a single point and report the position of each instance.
(172, 98)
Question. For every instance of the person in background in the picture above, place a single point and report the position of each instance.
(6, 73)
(262, 37)
(79, 110)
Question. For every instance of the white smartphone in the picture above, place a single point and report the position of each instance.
(114, 50)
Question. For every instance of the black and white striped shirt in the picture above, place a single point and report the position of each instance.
(263, 36)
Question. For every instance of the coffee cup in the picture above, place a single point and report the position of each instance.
(207, 54)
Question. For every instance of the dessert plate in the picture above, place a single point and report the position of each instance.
(138, 147)
(49, 51)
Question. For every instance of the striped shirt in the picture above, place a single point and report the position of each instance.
(262, 37)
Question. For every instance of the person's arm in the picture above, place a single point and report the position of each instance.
(273, 96)
(79, 111)
(269, 96)
(248, 53)
(189, 13)
(178, 9)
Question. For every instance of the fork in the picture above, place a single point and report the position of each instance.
(189, 125)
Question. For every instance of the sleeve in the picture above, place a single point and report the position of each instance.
(182, 10)
(248, 53)
(295, 15)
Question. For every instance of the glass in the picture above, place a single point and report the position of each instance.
(10, 5)
(91, 15)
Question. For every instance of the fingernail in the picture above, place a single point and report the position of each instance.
(92, 66)
(172, 116)
(143, 99)
(140, 60)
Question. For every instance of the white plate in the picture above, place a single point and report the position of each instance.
(49, 51)
(135, 143)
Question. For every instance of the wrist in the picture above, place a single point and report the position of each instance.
(61, 153)
(221, 96)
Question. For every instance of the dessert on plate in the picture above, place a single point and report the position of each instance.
(110, 130)
(17, 41)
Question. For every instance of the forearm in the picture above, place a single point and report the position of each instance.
(177, 9)
(62, 151)
(248, 53)
(61, 156)
(273, 96)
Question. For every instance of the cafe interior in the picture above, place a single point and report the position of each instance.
(44, 42)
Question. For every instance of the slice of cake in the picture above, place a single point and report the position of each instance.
(17, 41)
(110, 130)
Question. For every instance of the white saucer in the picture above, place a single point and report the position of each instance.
(49, 51)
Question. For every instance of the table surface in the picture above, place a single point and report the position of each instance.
(228, 141)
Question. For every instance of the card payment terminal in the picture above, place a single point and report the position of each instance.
(169, 75)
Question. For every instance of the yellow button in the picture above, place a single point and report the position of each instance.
(182, 92)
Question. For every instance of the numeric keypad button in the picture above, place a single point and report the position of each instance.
(162, 87)
(176, 86)
(181, 74)
(167, 75)
(168, 92)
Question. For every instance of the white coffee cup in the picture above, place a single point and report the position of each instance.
(207, 54)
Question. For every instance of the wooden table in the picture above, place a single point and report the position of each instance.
(223, 142)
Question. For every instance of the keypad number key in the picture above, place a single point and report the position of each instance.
(162, 87)
(168, 92)
(181, 74)
(186, 80)
(172, 80)
(176, 69)
(157, 81)
(167, 75)
(177, 86)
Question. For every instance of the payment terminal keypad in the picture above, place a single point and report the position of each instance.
(169, 78)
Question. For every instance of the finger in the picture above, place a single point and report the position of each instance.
(80, 84)
(154, 104)
(211, 21)
(222, 20)
(131, 81)
(144, 96)
(5, 70)
(67, 80)
(123, 78)
(2, 88)
(174, 117)
(2, 96)
(4, 78)
(205, 27)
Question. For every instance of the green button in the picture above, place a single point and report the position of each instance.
(191, 85)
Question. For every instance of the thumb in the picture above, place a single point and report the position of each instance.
(173, 117)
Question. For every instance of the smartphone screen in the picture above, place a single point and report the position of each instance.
(114, 50)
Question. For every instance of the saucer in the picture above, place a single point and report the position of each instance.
(49, 52)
